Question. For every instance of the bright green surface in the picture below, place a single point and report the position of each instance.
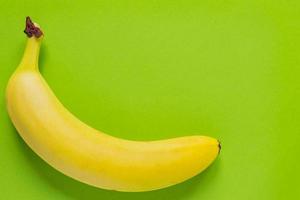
(228, 69)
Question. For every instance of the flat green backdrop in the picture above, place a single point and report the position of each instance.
(148, 70)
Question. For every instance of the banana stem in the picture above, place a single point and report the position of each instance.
(32, 49)
(31, 54)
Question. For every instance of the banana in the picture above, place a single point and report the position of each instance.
(86, 154)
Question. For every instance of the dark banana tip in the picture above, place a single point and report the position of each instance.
(31, 29)
(220, 147)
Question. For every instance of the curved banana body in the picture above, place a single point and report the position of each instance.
(88, 155)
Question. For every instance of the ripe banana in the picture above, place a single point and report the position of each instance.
(88, 155)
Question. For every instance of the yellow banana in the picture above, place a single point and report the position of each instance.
(86, 154)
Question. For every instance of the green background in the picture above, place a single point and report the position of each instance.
(148, 70)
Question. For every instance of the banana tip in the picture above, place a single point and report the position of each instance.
(220, 147)
(32, 29)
